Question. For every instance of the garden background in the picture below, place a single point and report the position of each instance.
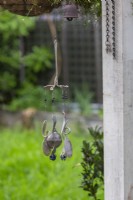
(26, 64)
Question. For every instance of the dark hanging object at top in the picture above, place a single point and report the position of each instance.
(70, 11)
(28, 7)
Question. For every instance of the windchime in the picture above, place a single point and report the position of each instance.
(53, 138)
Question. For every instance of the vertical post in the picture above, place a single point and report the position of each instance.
(118, 105)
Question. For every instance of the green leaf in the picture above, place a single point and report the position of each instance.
(39, 59)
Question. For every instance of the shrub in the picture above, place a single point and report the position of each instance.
(16, 65)
(92, 164)
(12, 27)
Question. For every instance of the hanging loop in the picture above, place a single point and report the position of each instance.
(44, 125)
(65, 129)
(56, 62)
(51, 87)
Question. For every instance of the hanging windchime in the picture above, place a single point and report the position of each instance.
(53, 139)
(28, 7)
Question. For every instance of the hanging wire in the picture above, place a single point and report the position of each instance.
(52, 87)
(56, 62)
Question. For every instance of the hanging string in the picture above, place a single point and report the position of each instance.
(56, 62)
(51, 87)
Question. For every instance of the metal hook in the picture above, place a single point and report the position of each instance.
(65, 129)
(44, 125)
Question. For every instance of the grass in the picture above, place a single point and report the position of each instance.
(26, 174)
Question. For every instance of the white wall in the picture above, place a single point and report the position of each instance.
(118, 106)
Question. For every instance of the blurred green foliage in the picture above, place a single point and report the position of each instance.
(37, 62)
(100, 113)
(92, 164)
(12, 26)
(84, 97)
(40, 57)
(12, 29)
(26, 174)
(28, 96)
(35, 96)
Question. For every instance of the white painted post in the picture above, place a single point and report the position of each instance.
(118, 106)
